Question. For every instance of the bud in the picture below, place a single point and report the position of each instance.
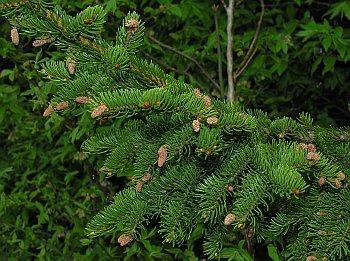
(311, 147)
(71, 66)
(196, 125)
(41, 42)
(146, 177)
(197, 93)
(14, 36)
(337, 184)
(230, 188)
(132, 25)
(212, 120)
(82, 99)
(341, 175)
(99, 110)
(48, 111)
(139, 186)
(302, 146)
(322, 181)
(147, 104)
(206, 101)
(124, 239)
(162, 155)
(240, 226)
(229, 219)
(62, 105)
(313, 156)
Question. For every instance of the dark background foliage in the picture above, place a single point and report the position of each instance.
(49, 189)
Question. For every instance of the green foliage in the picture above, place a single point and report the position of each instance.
(194, 160)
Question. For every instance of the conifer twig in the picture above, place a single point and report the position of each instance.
(200, 67)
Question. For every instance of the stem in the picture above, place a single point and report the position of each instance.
(203, 71)
(252, 49)
(218, 46)
(229, 51)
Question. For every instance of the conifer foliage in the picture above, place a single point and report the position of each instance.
(196, 163)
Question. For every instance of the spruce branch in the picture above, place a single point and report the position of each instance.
(194, 159)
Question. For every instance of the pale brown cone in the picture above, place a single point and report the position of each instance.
(139, 186)
(40, 42)
(207, 101)
(124, 239)
(132, 25)
(313, 156)
(71, 66)
(341, 175)
(14, 36)
(197, 93)
(322, 181)
(82, 99)
(146, 177)
(162, 155)
(48, 111)
(196, 125)
(212, 120)
(99, 110)
(229, 219)
(311, 258)
(62, 105)
(337, 183)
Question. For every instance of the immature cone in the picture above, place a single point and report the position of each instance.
(48, 111)
(61, 106)
(71, 66)
(302, 146)
(207, 101)
(82, 99)
(124, 239)
(197, 93)
(196, 125)
(230, 188)
(313, 156)
(341, 175)
(40, 42)
(311, 147)
(14, 36)
(162, 155)
(322, 181)
(311, 258)
(212, 120)
(99, 110)
(229, 219)
(139, 186)
(146, 177)
(132, 25)
(337, 184)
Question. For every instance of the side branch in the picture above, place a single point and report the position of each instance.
(252, 48)
(203, 71)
